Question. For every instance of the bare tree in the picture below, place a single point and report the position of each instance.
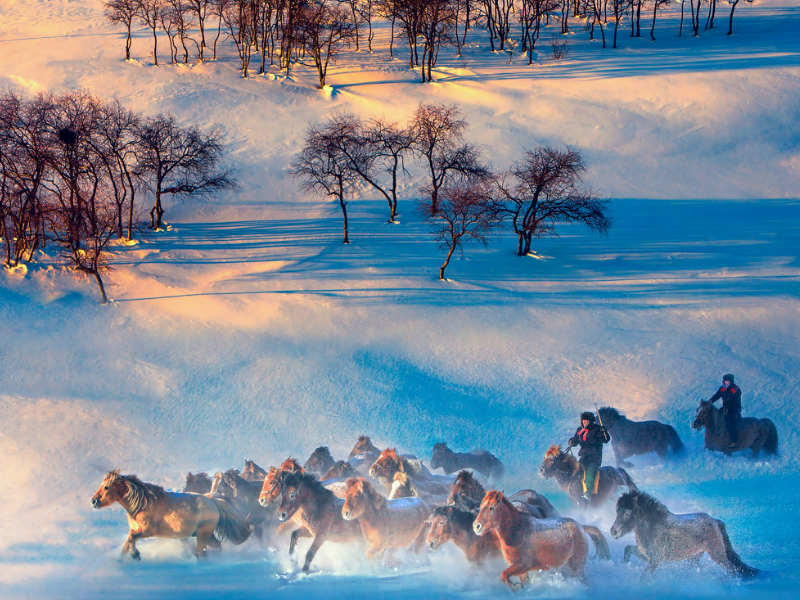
(657, 6)
(325, 169)
(389, 144)
(438, 131)
(150, 15)
(437, 27)
(465, 213)
(325, 31)
(200, 9)
(179, 161)
(546, 189)
(123, 12)
(733, 4)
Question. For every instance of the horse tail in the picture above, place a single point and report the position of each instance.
(230, 525)
(601, 550)
(736, 565)
(627, 480)
(771, 445)
(674, 440)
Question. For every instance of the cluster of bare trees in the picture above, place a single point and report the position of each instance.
(73, 169)
(284, 32)
(462, 199)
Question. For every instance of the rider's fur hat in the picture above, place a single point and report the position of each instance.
(588, 416)
(727, 377)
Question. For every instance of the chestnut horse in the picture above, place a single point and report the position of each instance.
(449, 523)
(319, 462)
(482, 461)
(197, 483)
(756, 434)
(318, 511)
(364, 446)
(384, 523)
(662, 536)
(467, 494)
(568, 473)
(390, 463)
(404, 486)
(530, 544)
(252, 472)
(631, 438)
(154, 512)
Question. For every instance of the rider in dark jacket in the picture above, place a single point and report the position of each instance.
(731, 407)
(591, 437)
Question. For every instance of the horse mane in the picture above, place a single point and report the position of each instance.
(202, 476)
(461, 518)
(322, 450)
(292, 466)
(441, 446)
(468, 476)
(297, 478)
(140, 495)
(647, 505)
(613, 412)
(554, 451)
(372, 495)
(497, 496)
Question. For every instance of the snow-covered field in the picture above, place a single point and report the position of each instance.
(250, 331)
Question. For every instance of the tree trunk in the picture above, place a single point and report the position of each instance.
(446, 262)
(156, 213)
(103, 297)
(730, 22)
(343, 205)
(155, 47)
(680, 29)
(128, 44)
(653, 27)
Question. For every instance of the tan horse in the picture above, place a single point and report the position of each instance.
(530, 544)
(154, 512)
(384, 523)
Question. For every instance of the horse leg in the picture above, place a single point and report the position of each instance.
(515, 569)
(130, 544)
(633, 550)
(525, 577)
(648, 571)
(312, 551)
(203, 535)
(296, 534)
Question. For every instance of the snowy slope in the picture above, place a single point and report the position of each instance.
(250, 331)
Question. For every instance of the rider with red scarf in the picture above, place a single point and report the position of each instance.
(731, 407)
(591, 437)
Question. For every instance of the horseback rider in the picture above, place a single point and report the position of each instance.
(731, 407)
(591, 437)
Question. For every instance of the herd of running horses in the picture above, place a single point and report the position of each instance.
(389, 500)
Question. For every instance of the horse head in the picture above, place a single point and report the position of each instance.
(627, 512)
(703, 415)
(490, 513)
(252, 472)
(440, 450)
(359, 497)
(441, 530)
(112, 489)
(271, 489)
(556, 462)
(610, 416)
(339, 469)
(363, 445)
(294, 494)
(290, 465)
(467, 492)
(319, 461)
(387, 465)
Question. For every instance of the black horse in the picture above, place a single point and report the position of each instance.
(482, 461)
(631, 438)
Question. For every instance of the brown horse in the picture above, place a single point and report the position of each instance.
(244, 495)
(271, 488)
(568, 473)
(384, 523)
(482, 461)
(531, 544)
(252, 472)
(340, 470)
(756, 434)
(319, 462)
(154, 512)
(449, 523)
(364, 446)
(389, 463)
(631, 438)
(431, 491)
(319, 513)
(467, 494)
(662, 536)
(197, 483)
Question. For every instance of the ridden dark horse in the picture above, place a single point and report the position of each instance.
(530, 544)
(319, 462)
(632, 438)
(662, 536)
(755, 434)
(482, 461)
(317, 511)
(467, 494)
(154, 512)
(568, 473)
(197, 483)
